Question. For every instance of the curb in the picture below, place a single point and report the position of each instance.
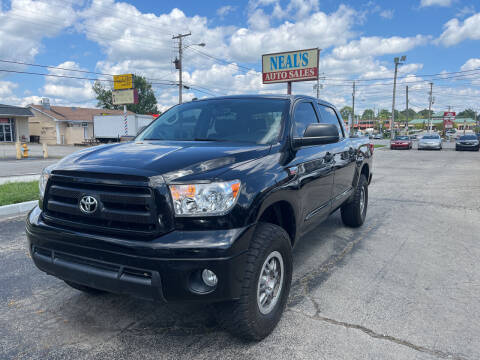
(17, 209)
(19, 178)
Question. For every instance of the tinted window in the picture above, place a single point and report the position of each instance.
(431, 137)
(468, 137)
(402, 138)
(239, 120)
(304, 116)
(328, 116)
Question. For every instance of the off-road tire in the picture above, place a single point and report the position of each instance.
(242, 317)
(352, 215)
(85, 289)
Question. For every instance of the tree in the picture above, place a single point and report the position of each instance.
(368, 114)
(411, 114)
(467, 113)
(147, 103)
(346, 111)
(384, 114)
(424, 113)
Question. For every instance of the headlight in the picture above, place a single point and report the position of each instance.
(205, 199)
(42, 183)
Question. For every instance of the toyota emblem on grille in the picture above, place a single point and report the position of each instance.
(88, 204)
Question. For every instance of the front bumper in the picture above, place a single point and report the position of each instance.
(429, 146)
(467, 147)
(166, 268)
(400, 146)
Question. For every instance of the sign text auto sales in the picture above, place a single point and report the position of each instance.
(298, 65)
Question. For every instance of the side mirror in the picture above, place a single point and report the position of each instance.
(317, 134)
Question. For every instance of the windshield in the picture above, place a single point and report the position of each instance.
(468, 137)
(435, 137)
(256, 121)
(402, 138)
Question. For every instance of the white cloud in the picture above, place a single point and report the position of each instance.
(64, 91)
(375, 46)
(465, 11)
(457, 31)
(426, 3)
(471, 64)
(26, 22)
(225, 10)
(327, 30)
(387, 14)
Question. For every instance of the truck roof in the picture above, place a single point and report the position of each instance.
(269, 96)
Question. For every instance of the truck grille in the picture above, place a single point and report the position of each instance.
(125, 210)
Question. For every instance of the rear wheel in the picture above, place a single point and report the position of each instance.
(355, 211)
(85, 289)
(265, 286)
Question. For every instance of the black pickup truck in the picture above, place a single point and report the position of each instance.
(204, 205)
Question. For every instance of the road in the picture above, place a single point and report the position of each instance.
(404, 286)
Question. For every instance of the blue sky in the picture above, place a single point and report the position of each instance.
(359, 41)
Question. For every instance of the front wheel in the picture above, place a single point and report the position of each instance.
(355, 211)
(265, 286)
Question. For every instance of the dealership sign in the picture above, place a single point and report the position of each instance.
(448, 119)
(300, 65)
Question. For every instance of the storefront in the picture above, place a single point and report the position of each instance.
(7, 129)
(14, 123)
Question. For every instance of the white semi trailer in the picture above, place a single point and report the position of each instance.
(107, 128)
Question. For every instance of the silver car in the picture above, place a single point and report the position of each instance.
(430, 141)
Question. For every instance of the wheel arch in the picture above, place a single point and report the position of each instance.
(281, 212)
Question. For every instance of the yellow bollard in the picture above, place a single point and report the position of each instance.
(17, 148)
(25, 150)
(45, 151)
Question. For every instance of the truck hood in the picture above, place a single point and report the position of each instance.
(173, 160)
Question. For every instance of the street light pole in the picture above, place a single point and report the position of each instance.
(406, 93)
(178, 62)
(430, 108)
(353, 108)
(397, 61)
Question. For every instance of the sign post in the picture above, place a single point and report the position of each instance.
(123, 93)
(448, 119)
(299, 65)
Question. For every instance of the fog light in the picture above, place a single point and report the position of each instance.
(209, 278)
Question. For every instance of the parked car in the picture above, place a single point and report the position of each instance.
(413, 137)
(430, 141)
(204, 205)
(378, 136)
(401, 142)
(467, 142)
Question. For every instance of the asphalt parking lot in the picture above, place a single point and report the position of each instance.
(404, 286)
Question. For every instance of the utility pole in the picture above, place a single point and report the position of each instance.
(430, 98)
(178, 63)
(406, 93)
(353, 107)
(397, 61)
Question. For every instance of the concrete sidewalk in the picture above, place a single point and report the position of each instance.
(35, 151)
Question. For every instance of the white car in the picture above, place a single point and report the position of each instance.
(430, 141)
